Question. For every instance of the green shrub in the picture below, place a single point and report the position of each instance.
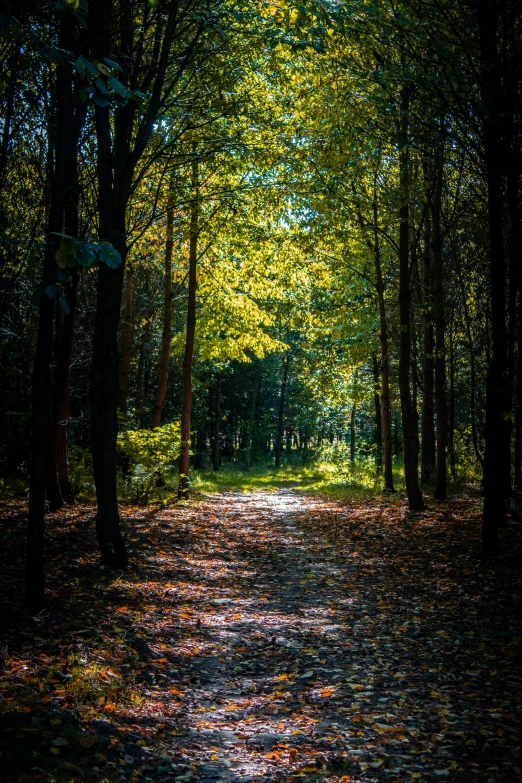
(81, 474)
(146, 456)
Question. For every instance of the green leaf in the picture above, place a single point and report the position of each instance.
(66, 253)
(51, 291)
(102, 87)
(85, 254)
(108, 254)
(113, 65)
(118, 87)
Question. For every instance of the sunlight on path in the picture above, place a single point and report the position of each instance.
(300, 655)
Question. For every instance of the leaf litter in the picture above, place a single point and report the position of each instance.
(266, 636)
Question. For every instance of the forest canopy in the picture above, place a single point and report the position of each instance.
(234, 233)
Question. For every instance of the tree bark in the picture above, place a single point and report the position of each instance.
(65, 334)
(201, 444)
(515, 283)
(451, 421)
(52, 486)
(428, 429)
(142, 371)
(184, 460)
(352, 432)
(385, 364)
(410, 442)
(121, 142)
(473, 375)
(41, 381)
(126, 342)
(375, 247)
(440, 349)
(216, 459)
(251, 422)
(494, 514)
(167, 320)
(281, 416)
(378, 417)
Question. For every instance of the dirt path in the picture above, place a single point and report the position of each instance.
(265, 636)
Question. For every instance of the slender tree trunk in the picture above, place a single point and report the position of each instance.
(378, 418)
(352, 432)
(428, 429)
(494, 514)
(167, 319)
(65, 335)
(385, 366)
(440, 349)
(41, 382)
(126, 341)
(281, 416)
(473, 376)
(451, 423)
(517, 462)
(515, 315)
(396, 444)
(184, 459)
(410, 442)
(104, 390)
(216, 458)
(114, 177)
(414, 355)
(141, 371)
(52, 486)
(251, 422)
(201, 443)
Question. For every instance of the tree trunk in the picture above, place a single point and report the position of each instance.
(451, 422)
(378, 418)
(114, 176)
(428, 429)
(251, 421)
(385, 365)
(440, 349)
(410, 442)
(515, 271)
(65, 335)
(41, 381)
(201, 443)
(167, 319)
(352, 432)
(281, 416)
(216, 459)
(494, 514)
(473, 381)
(184, 461)
(104, 390)
(142, 371)
(52, 485)
(126, 342)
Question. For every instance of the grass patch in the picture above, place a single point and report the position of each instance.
(341, 482)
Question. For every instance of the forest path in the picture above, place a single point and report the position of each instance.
(269, 636)
(320, 641)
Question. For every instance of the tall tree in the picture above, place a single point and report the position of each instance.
(41, 382)
(184, 460)
(154, 49)
(166, 335)
(409, 429)
(440, 348)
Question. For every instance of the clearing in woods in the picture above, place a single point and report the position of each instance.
(268, 636)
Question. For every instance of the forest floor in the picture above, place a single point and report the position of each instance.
(266, 636)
